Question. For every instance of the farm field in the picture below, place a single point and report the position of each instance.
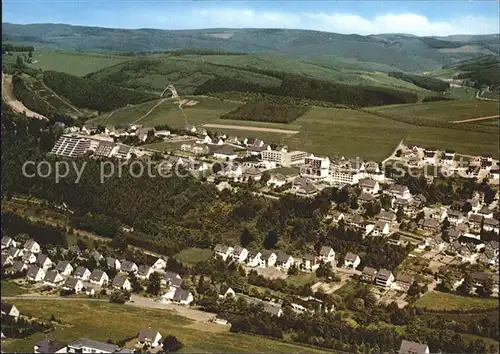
(194, 255)
(79, 64)
(438, 301)
(103, 321)
(11, 289)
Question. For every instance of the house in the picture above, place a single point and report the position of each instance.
(429, 224)
(82, 273)
(190, 128)
(436, 242)
(403, 282)
(172, 280)
(28, 258)
(365, 197)
(113, 263)
(8, 242)
(15, 252)
(277, 180)
(223, 251)
(183, 297)
(491, 225)
(99, 277)
(32, 246)
(387, 216)
(162, 133)
(225, 152)
(408, 347)
(84, 345)
(475, 222)
(399, 191)
(239, 254)
(53, 278)
(308, 262)
(273, 308)
(160, 263)
(430, 157)
(369, 185)
(121, 282)
(43, 261)
(283, 260)
(64, 268)
(149, 338)
(455, 217)
(49, 346)
(234, 171)
(327, 254)
(384, 278)
(304, 186)
(381, 228)
(7, 260)
(357, 222)
(9, 310)
(252, 173)
(97, 256)
(73, 284)
(128, 267)
(144, 271)
(253, 258)
(369, 274)
(18, 267)
(267, 258)
(224, 291)
(89, 129)
(351, 260)
(35, 273)
(486, 212)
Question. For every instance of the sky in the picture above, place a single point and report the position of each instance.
(422, 18)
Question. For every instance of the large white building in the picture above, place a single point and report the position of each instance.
(283, 157)
(71, 146)
(315, 167)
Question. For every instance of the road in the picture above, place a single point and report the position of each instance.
(16, 105)
(475, 119)
(256, 129)
(393, 155)
(136, 301)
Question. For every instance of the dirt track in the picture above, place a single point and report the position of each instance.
(16, 105)
(255, 129)
(475, 119)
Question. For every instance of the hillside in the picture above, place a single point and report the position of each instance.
(481, 71)
(403, 52)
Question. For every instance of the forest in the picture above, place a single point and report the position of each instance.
(7, 47)
(306, 88)
(425, 82)
(30, 99)
(269, 109)
(86, 93)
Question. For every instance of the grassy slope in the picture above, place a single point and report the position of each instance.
(103, 321)
(438, 301)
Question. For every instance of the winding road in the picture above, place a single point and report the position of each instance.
(11, 100)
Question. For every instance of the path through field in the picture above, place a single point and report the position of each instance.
(255, 129)
(475, 119)
(16, 105)
(149, 112)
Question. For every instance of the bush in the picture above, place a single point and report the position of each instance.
(172, 344)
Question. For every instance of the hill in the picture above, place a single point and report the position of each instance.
(403, 52)
(481, 71)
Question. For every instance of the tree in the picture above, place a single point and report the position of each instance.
(266, 176)
(19, 62)
(30, 54)
(134, 282)
(154, 284)
(400, 214)
(446, 225)
(271, 239)
(117, 297)
(172, 344)
(414, 289)
(81, 245)
(293, 270)
(119, 242)
(246, 238)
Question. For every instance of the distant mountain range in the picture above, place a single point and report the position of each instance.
(394, 51)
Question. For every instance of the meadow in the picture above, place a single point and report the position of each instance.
(194, 255)
(438, 301)
(103, 321)
(74, 63)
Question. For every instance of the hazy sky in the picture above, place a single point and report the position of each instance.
(362, 17)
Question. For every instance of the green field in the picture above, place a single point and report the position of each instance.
(194, 255)
(462, 93)
(79, 64)
(438, 301)
(11, 289)
(103, 321)
(301, 279)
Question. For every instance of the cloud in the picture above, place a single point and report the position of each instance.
(342, 22)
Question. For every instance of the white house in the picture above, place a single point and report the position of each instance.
(121, 282)
(225, 291)
(491, 225)
(73, 284)
(351, 260)
(267, 259)
(84, 345)
(384, 278)
(399, 191)
(149, 338)
(253, 259)
(8, 242)
(225, 152)
(99, 277)
(64, 268)
(369, 185)
(9, 310)
(32, 246)
(29, 258)
(408, 347)
(327, 254)
(283, 260)
(43, 261)
(381, 228)
(223, 251)
(82, 273)
(128, 267)
(206, 140)
(183, 297)
(239, 254)
(53, 278)
(160, 263)
(144, 272)
(35, 274)
(49, 346)
(113, 263)
(308, 263)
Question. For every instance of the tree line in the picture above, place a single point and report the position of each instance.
(425, 82)
(7, 47)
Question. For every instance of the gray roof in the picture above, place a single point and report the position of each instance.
(120, 280)
(181, 294)
(143, 269)
(379, 225)
(111, 262)
(80, 271)
(325, 250)
(237, 250)
(221, 248)
(369, 271)
(397, 188)
(491, 222)
(127, 266)
(383, 274)
(476, 218)
(350, 257)
(12, 251)
(386, 215)
(366, 197)
(403, 278)
(367, 183)
(6, 240)
(265, 254)
(33, 271)
(147, 333)
(4, 259)
(27, 256)
(61, 265)
(96, 274)
(271, 308)
(49, 346)
(71, 282)
(51, 275)
(174, 279)
(357, 219)
(94, 344)
(28, 244)
(408, 347)
(485, 210)
(427, 222)
(41, 258)
(18, 266)
(282, 257)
